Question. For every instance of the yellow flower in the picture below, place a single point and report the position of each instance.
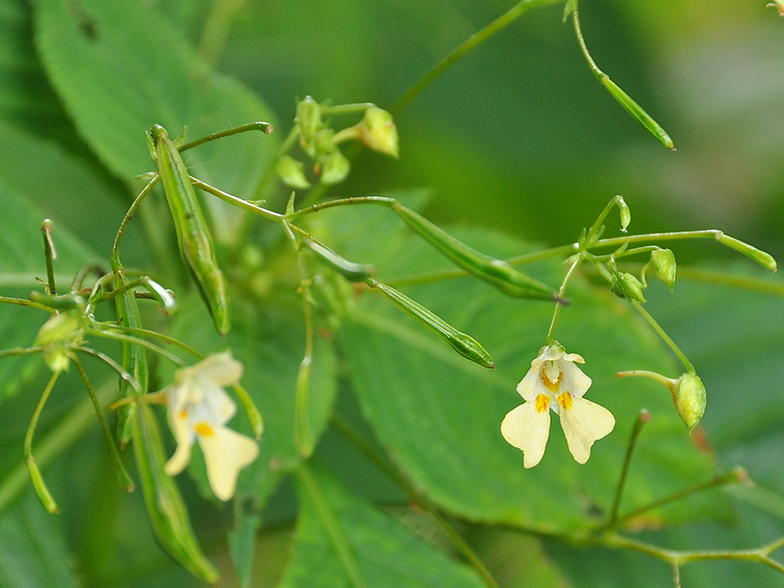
(199, 408)
(555, 383)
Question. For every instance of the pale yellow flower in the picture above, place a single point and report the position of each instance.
(199, 408)
(555, 383)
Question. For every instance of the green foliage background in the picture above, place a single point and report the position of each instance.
(519, 147)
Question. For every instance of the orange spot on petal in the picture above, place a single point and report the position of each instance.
(542, 403)
(204, 429)
(565, 400)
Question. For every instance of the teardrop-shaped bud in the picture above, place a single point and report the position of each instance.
(625, 285)
(663, 264)
(291, 172)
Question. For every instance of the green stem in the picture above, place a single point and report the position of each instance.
(551, 332)
(114, 365)
(17, 351)
(148, 333)
(334, 531)
(28, 440)
(122, 475)
(235, 201)
(473, 41)
(733, 476)
(656, 327)
(24, 302)
(264, 127)
(382, 200)
(115, 255)
(643, 418)
(99, 331)
(269, 173)
(346, 108)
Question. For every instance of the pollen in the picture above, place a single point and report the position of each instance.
(565, 400)
(183, 413)
(542, 403)
(204, 429)
(549, 384)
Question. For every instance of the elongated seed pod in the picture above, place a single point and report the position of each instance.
(495, 271)
(355, 272)
(193, 234)
(168, 515)
(464, 344)
(134, 358)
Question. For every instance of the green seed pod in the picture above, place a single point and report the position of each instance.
(760, 257)
(637, 112)
(663, 264)
(354, 272)
(335, 168)
(46, 498)
(690, 399)
(168, 515)
(291, 172)
(625, 285)
(134, 359)
(498, 273)
(465, 345)
(193, 233)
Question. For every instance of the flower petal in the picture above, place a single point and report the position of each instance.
(583, 423)
(220, 369)
(185, 438)
(226, 452)
(528, 430)
(574, 380)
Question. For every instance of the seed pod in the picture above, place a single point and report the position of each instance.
(134, 359)
(193, 234)
(378, 131)
(637, 112)
(168, 515)
(760, 257)
(291, 172)
(465, 345)
(625, 285)
(495, 271)
(335, 168)
(354, 272)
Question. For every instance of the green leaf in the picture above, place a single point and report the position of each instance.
(34, 550)
(439, 416)
(270, 343)
(387, 554)
(121, 67)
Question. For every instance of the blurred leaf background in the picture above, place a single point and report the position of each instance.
(516, 144)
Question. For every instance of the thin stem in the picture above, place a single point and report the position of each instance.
(473, 41)
(24, 302)
(578, 31)
(332, 526)
(383, 200)
(122, 475)
(600, 219)
(17, 351)
(114, 365)
(148, 333)
(269, 173)
(264, 127)
(735, 475)
(643, 418)
(346, 108)
(81, 274)
(551, 332)
(50, 253)
(238, 202)
(354, 437)
(115, 255)
(656, 327)
(99, 331)
(28, 440)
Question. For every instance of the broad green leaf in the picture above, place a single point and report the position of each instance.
(121, 67)
(270, 343)
(34, 550)
(439, 416)
(386, 553)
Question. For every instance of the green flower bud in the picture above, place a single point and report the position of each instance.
(378, 131)
(626, 214)
(308, 119)
(291, 173)
(625, 285)
(663, 264)
(335, 168)
(689, 396)
(55, 336)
